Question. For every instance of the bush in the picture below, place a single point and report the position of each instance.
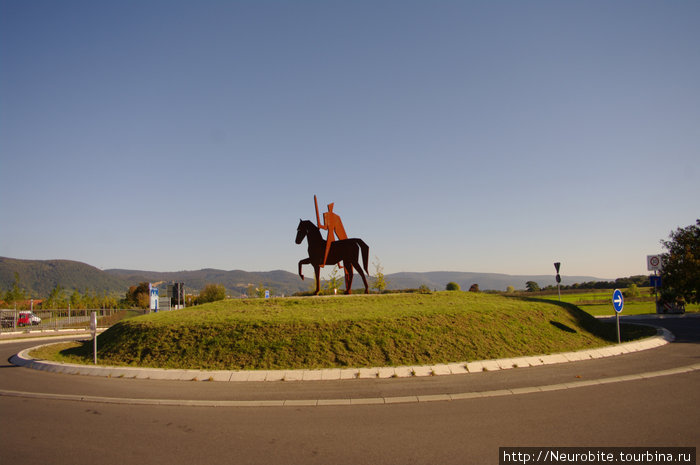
(423, 289)
(452, 286)
(632, 291)
(532, 286)
(211, 293)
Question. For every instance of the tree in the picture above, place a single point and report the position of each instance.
(211, 293)
(510, 289)
(680, 276)
(452, 286)
(57, 298)
(632, 291)
(532, 286)
(16, 294)
(138, 296)
(144, 300)
(90, 299)
(474, 288)
(76, 300)
(250, 291)
(260, 291)
(379, 283)
(108, 301)
(334, 281)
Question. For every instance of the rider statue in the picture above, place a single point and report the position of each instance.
(334, 226)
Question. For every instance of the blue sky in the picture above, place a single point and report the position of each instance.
(451, 135)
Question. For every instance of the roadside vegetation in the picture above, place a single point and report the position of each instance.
(349, 331)
(638, 301)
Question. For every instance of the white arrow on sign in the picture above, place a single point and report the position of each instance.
(618, 301)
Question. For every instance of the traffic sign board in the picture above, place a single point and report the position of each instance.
(618, 300)
(653, 262)
(557, 265)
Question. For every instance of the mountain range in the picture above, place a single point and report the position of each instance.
(39, 277)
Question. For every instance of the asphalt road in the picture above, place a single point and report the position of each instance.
(658, 411)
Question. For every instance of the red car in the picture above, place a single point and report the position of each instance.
(27, 319)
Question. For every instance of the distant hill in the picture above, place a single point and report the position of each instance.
(486, 281)
(235, 281)
(41, 276)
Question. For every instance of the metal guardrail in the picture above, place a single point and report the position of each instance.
(27, 320)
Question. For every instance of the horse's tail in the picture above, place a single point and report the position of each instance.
(365, 254)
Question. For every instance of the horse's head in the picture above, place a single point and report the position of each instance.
(305, 227)
(301, 232)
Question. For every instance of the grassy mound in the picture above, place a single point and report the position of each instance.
(347, 331)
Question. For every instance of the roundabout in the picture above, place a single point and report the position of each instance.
(24, 359)
(289, 378)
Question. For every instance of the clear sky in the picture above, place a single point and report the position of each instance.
(451, 135)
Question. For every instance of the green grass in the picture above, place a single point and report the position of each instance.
(348, 331)
(57, 352)
(599, 302)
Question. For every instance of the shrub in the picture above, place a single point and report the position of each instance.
(212, 293)
(423, 289)
(452, 286)
(632, 291)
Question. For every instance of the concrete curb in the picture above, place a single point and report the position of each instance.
(351, 401)
(23, 359)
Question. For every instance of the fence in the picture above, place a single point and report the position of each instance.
(28, 320)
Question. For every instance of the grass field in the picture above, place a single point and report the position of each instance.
(348, 331)
(599, 302)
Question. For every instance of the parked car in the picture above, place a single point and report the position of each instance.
(27, 318)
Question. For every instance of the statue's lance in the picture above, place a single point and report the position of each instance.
(318, 219)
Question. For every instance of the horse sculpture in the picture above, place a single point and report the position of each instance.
(346, 251)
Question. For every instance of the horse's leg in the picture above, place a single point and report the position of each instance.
(348, 278)
(317, 271)
(357, 266)
(305, 261)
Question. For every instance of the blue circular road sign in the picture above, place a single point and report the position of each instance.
(618, 300)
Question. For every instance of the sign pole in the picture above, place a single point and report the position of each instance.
(655, 263)
(618, 304)
(656, 296)
(93, 328)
